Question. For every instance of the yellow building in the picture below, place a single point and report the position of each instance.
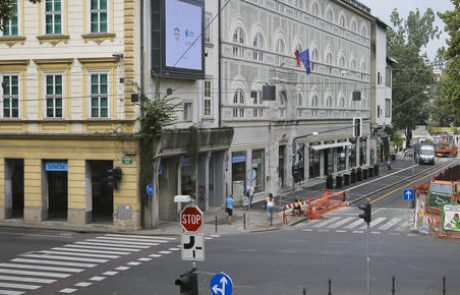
(68, 70)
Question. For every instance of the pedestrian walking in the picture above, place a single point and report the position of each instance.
(250, 194)
(229, 208)
(270, 207)
(389, 164)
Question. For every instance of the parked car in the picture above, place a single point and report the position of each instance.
(426, 155)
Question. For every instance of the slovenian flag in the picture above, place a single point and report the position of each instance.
(297, 58)
(305, 58)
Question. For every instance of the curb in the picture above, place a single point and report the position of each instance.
(273, 228)
(298, 221)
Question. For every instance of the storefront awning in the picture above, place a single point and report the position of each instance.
(330, 145)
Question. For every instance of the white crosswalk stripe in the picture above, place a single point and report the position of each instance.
(374, 222)
(329, 221)
(341, 222)
(33, 270)
(355, 224)
(389, 224)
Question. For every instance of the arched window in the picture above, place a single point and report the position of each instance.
(299, 99)
(314, 101)
(283, 104)
(364, 31)
(329, 102)
(330, 15)
(342, 62)
(238, 98)
(238, 37)
(315, 9)
(342, 21)
(258, 43)
(329, 58)
(353, 64)
(315, 55)
(363, 67)
(280, 47)
(354, 26)
(299, 47)
(342, 102)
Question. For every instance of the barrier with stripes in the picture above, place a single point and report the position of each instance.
(329, 201)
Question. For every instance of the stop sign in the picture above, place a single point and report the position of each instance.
(191, 218)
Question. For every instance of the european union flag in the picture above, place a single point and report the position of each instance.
(305, 58)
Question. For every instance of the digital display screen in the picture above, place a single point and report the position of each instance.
(183, 35)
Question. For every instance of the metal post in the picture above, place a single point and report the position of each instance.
(304, 292)
(393, 285)
(368, 263)
(444, 285)
(244, 220)
(330, 287)
(271, 217)
(216, 223)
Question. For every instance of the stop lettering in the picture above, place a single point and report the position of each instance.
(191, 219)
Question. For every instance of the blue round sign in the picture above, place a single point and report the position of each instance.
(221, 284)
(149, 189)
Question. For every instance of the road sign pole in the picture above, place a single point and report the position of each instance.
(368, 263)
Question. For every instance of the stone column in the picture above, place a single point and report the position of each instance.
(321, 163)
(347, 157)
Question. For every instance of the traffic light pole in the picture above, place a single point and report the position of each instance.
(368, 262)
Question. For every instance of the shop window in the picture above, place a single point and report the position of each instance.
(258, 161)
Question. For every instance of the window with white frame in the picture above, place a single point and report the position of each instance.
(11, 26)
(99, 95)
(342, 102)
(299, 99)
(354, 26)
(208, 27)
(99, 16)
(238, 101)
(342, 62)
(329, 101)
(257, 110)
(314, 101)
(364, 31)
(329, 58)
(259, 44)
(353, 64)
(53, 96)
(342, 22)
(283, 104)
(330, 15)
(207, 99)
(315, 8)
(315, 54)
(280, 47)
(188, 111)
(53, 17)
(239, 38)
(10, 98)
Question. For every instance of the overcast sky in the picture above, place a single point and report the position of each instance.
(383, 9)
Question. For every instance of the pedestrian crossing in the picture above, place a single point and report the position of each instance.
(34, 270)
(354, 224)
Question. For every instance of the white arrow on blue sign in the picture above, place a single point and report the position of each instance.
(221, 284)
(149, 189)
(408, 194)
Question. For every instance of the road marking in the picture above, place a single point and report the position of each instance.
(34, 235)
(323, 230)
(124, 243)
(68, 290)
(340, 231)
(403, 226)
(375, 232)
(165, 252)
(389, 224)
(111, 245)
(146, 237)
(79, 254)
(110, 273)
(208, 238)
(100, 248)
(33, 273)
(91, 251)
(355, 224)
(38, 267)
(154, 255)
(44, 256)
(53, 262)
(27, 280)
(215, 236)
(174, 249)
(133, 263)
(131, 239)
(122, 268)
(374, 222)
(83, 284)
(4, 292)
(145, 259)
(19, 286)
(341, 222)
(357, 231)
(97, 279)
(326, 222)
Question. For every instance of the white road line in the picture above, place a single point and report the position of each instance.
(375, 232)
(145, 259)
(155, 255)
(83, 284)
(326, 222)
(133, 263)
(54, 262)
(131, 240)
(323, 230)
(403, 226)
(39, 267)
(357, 231)
(355, 224)
(122, 268)
(340, 231)
(110, 273)
(165, 252)
(374, 222)
(97, 279)
(68, 290)
(215, 236)
(208, 238)
(91, 251)
(341, 222)
(146, 237)
(308, 229)
(5, 292)
(124, 243)
(79, 254)
(100, 248)
(44, 256)
(111, 245)
(19, 286)
(174, 249)
(389, 224)
(27, 280)
(33, 273)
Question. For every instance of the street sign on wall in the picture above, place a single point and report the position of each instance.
(191, 219)
(192, 247)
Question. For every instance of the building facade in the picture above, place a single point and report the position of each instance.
(68, 70)
(307, 130)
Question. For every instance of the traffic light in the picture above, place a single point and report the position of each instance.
(188, 283)
(357, 127)
(366, 215)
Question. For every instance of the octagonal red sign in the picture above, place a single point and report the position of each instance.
(191, 218)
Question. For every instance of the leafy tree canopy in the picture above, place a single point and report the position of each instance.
(6, 10)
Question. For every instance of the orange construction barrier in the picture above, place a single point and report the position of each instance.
(329, 201)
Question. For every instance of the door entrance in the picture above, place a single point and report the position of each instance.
(57, 194)
(102, 193)
(14, 188)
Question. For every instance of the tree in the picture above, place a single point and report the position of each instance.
(450, 88)
(6, 9)
(412, 75)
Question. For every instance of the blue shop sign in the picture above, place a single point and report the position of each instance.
(238, 158)
(55, 166)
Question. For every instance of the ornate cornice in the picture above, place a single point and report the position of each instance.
(12, 40)
(98, 38)
(53, 39)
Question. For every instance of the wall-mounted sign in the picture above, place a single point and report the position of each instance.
(238, 158)
(51, 166)
(127, 160)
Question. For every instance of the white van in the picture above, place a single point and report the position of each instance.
(426, 154)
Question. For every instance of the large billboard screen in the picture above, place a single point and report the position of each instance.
(178, 39)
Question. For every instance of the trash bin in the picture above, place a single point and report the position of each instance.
(338, 181)
(364, 173)
(376, 169)
(370, 171)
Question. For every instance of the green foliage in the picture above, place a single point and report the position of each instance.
(156, 114)
(412, 77)
(451, 54)
(6, 8)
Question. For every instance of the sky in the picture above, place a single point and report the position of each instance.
(383, 9)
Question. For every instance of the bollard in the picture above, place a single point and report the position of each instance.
(244, 220)
(330, 287)
(216, 224)
(393, 285)
(304, 291)
(444, 285)
(271, 218)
